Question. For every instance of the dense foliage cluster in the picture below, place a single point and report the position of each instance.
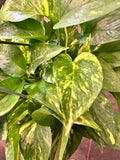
(53, 76)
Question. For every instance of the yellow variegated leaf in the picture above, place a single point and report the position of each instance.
(78, 84)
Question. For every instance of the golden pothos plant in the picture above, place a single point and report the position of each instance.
(53, 76)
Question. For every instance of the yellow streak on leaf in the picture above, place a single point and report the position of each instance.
(111, 136)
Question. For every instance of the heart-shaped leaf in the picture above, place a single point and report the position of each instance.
(78, 84)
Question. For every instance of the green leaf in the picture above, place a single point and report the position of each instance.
(117, 120)
(46, 94)
(90, 133)
(12, 147)
(87, 120)
(80, 11)
(9, 61)
(47, 73)
(87, 12)
(43, 116)
(112, 58)
(17, 114)
(103, 114)
(111, 81)
(7, 101)
(35, 141)
(3, 75)
(42, 52)
(73, 143)
(20, 10)
(29, 28)
(109, 47)
(108, 29)
(86, 46)
(14, 11)
(3, 127)
(81, 77)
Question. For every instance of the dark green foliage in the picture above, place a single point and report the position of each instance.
(52, 77)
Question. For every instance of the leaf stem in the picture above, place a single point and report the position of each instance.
(2, 89)
(66, 40)
(14, 43)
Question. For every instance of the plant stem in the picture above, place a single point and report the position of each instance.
(66, 40)
(2, 89)
(15, 43)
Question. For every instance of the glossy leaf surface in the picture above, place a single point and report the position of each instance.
(111, 81)
(12, 146)
(46, 94)
(109, 47)
(43, 117)
(72, 12)
(35, 141)
(91, 10)
(13, 11)
(82, 77)
(3, 75)
(107, 29)
(20, 10)
(103, 114)
(87, 120)
(17, 114)
(7, 101)
(29, 28)
(42, 52)
(47, 73)
(112, 58)
(9, 61)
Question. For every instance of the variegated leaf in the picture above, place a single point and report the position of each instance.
(87, 120)
(78, 84)
(42, 52)
(35, 141)
(46, 94)
(111, 81)
(12, 145)
(8, 101)
(104, 115)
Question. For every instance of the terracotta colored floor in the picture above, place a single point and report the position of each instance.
(95, 154)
